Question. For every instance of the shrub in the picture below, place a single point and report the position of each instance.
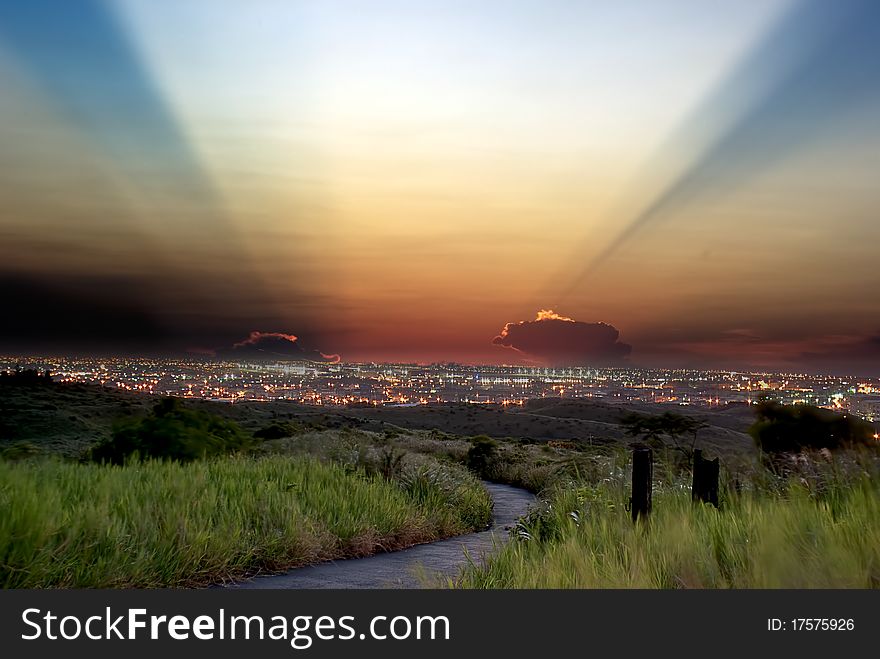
(482, 455)
(172, 432)
(793, 428)
(277, 430)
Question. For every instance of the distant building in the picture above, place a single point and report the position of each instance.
(866, 406)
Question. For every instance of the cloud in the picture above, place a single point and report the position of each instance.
(256, 338)
(560, 341)
(273, 346)
(77, 315)
(858, 355)
(849, 353)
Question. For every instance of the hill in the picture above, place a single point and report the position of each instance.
(68, 418)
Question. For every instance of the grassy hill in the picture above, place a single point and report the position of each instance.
(67, 418)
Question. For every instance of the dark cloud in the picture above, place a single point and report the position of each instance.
(273, 346)
(856, 355)
(800, 349)
(558, 341)
(45, 314)
(124, 315)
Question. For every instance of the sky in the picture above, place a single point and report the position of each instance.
(675, 183)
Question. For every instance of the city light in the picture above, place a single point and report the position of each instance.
(410, 385)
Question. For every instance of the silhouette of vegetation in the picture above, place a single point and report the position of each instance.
(793, 428)
(278, 430)
(482, 455)
(652, 429)
(27, 377)
(172, 432)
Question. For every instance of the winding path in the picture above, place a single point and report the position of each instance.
(415, 567)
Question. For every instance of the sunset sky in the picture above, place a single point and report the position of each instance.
(400, 180)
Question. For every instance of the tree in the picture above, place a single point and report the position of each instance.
(652, 429)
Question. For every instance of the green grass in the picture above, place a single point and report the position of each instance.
(159, 524)
(807, 533)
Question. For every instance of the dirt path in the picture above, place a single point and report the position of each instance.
(413, 567)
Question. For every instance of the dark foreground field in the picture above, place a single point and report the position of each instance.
(310, 484)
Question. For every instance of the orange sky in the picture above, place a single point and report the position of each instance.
(400, 184)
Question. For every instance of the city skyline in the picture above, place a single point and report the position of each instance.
(677, 184)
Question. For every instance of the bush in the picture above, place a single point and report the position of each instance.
(277, 430)
(172, 432)
(793, 428)
(482, 455)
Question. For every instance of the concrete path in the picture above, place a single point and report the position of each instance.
(416, 567)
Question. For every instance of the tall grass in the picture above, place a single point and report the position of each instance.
(795, 535)
(165, 524)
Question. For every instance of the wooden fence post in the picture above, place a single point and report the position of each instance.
(705, 483)
(642, 475)
(713, 470)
